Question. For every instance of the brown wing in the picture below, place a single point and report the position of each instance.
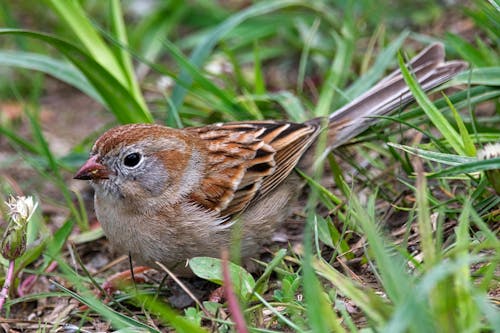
(247, 160)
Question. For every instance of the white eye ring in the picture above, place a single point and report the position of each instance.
(132, 160)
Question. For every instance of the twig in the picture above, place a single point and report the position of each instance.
(183, 287)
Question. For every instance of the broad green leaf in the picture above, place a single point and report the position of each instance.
(211, 269)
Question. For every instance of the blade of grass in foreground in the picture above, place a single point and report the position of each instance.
(488, 76)
(320, 314)
(123, 56)
(119, 320)
(73, 16)
(468, 313)
(448, 159)
(442, 124)
(423, 217)
(469, 167)
(392, 273)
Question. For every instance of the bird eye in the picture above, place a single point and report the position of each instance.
(131, 160)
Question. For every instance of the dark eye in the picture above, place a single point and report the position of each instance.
(131, 160)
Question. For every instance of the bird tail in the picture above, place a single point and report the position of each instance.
(390, 94)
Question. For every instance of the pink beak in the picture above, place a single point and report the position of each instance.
(91, 170)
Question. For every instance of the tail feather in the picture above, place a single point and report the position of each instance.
(390, 94)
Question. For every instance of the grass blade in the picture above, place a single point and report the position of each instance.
(469, 167)
(443, 158)
(201, 52)
(123, 56)
(117, 98)
(72, 14)
(488, 76)
(449, 133)
(423, 218)
(61, 70)
(383, 60)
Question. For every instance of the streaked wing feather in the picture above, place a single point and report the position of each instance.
(287, 160)
(247, 160)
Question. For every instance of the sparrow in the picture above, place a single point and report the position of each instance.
(165, 195)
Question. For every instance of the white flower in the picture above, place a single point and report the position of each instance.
(21, 209)
(490, 150)
(165, 83)
(219, 65)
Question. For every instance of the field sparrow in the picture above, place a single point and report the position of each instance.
(167, 195)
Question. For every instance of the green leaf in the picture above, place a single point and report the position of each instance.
(384, 59)
(203, 81)
(123, 55)
(468, 51)
(467, 142)
(320, 314)
(117, 319)
(211, 269)
(334, 77)
(202, 50)
(437, 118)
(261, 283)
(59, 69)
(488, 76)
(72, 14)
(118, 99)
(470, 167)
(87, 236)
(448, 159)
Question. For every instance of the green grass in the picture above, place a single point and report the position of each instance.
(406, 240)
